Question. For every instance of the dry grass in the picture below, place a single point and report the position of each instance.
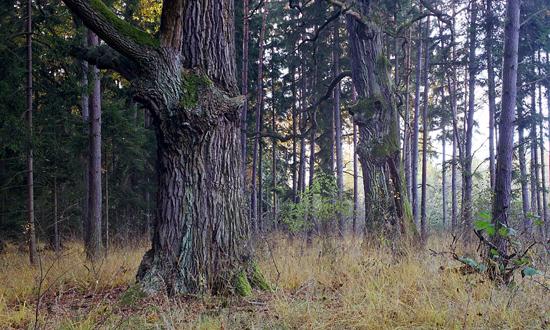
(329, 286)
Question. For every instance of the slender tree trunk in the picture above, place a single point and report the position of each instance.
(406, 125)
(414, 142)
(523, 173)
(294, 139)
(94, 242)
(85, 109)
(503, 177)
(452, 86)
(30, 158)
(533, 137)
(244, 88)
(489, 42)
(425, 129)
(544, 215)
(254, 202)
(107, 237)
(303, 122)
(273, 148)
(56, 240)
(338, 125)
(444, 179)
(467, 175)
(355, 171)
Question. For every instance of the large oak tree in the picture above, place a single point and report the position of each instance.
(186, 79)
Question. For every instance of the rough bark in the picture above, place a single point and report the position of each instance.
(386, 206)
(503, 174)
(201, 232)
(30, 158)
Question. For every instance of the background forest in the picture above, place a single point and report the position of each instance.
(80, 163)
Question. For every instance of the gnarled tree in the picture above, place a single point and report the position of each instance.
(186, 78)
(376, 115)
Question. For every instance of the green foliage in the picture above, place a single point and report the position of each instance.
(472, 263)
(242, 285)
(319, 201)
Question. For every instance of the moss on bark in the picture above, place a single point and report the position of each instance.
(137, 35)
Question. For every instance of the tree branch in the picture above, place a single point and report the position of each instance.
(117, 33)
(106, 58)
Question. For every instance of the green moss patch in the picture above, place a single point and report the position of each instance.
(127, 29)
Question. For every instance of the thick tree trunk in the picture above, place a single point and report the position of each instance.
(503, 174)
(386, 206)
(414, 141)
(93, 243)
(489, 41)
(30, 159)
(467, 175)
(254, 202)
(425, 129)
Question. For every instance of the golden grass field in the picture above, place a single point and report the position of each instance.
(328, 286)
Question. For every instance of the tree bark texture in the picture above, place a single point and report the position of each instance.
(503, 174)
(375, 113)
(186, 79)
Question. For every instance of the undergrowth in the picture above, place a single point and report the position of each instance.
(332, 285)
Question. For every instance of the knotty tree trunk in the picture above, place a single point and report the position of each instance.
(30, 172)
(186, 79)
(93, 241)
(375, 113)
(503, 174)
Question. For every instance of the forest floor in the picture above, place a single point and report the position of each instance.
(328, 286)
